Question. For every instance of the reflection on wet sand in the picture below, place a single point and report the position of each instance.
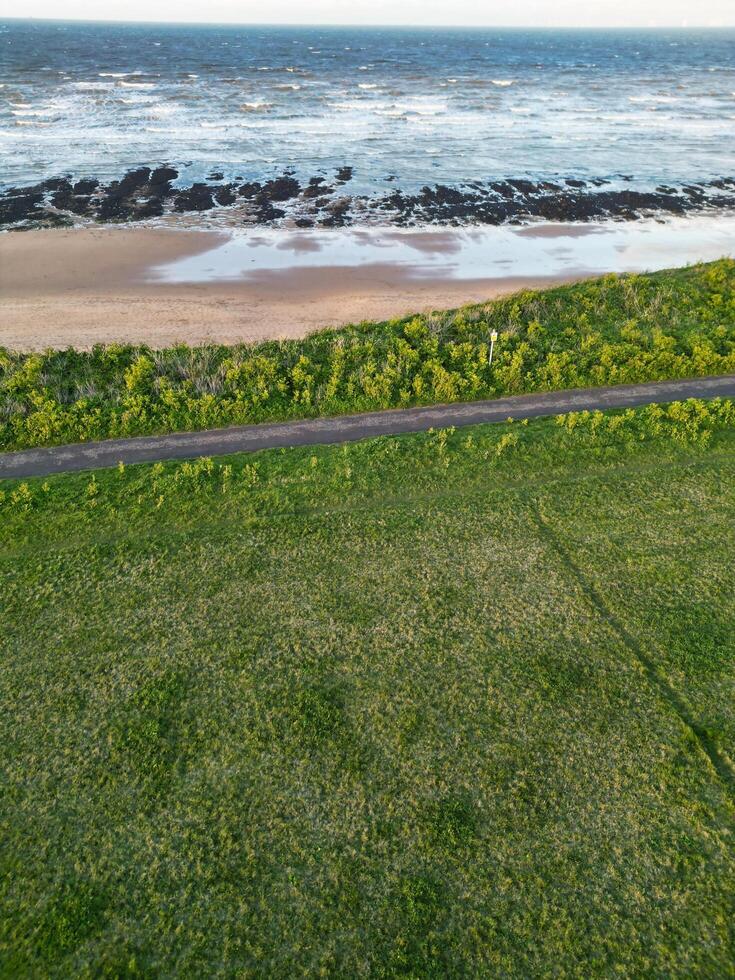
(540, 250)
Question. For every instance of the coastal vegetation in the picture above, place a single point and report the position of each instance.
(449, 704)
(612, 330)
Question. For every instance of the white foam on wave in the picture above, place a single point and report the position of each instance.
(663, 99)
(116, 74)
(366, 85)
(501, 82)
(360, 106)
(92, 86)
(138, 84)
(164, 109)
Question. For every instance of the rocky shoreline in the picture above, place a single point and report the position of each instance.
(147, 193)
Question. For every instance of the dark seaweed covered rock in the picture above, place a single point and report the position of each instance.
(67, 198)
(225, 195)
(18, 205)
(250, 189)
(118, 202)
(316, 188)
(148, 193)
(162, 176)
(281, 189)
(198, 197)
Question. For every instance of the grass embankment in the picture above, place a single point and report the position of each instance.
(440, 705)
(613, 330)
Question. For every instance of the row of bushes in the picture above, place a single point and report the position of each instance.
(692, 421)
(608, 331)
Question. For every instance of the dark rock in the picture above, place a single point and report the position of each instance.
(337, 213)
(162, 175)
(52, 184)
(151, 207)
(281, 188)
(198, 197)
(145, 193)
(315, 188)
(265, 211)
(65, 198)
(502, 187)
(117, 203)
(225, 195)
(250, 189)
(524, 186)
(132, 181)
(19, 206)
(86, 186)
(216, 175)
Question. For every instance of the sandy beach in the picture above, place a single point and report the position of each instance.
(162, 285)
(84, 286)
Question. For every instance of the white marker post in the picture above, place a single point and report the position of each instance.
(493, 338)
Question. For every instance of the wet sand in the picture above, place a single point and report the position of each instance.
(85, 286)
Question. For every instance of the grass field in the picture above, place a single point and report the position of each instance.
(672, 324)
(457, 704)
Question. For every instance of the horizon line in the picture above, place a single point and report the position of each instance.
(376, 25)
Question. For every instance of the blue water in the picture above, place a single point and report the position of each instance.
(403, 107)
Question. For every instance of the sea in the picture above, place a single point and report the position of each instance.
(403, 107)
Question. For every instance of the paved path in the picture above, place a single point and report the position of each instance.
(349, 428)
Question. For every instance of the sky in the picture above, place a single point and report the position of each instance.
(530, 13)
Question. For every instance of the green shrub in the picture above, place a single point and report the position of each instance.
(607, 331)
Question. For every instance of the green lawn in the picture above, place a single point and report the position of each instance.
(456, 704)
(671, 324)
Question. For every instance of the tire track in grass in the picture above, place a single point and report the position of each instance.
(674, 699)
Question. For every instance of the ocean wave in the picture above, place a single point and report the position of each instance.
(109, 118)
(92, 86)
(163, 109)
(663, 99)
